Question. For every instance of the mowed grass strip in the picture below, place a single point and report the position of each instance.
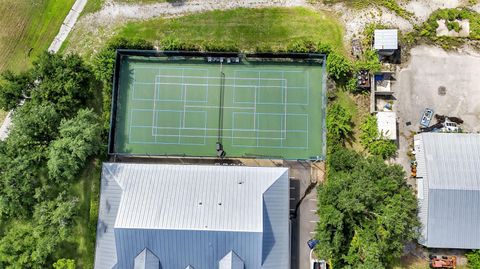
(3, 115)
(245, 28)
(27, 28)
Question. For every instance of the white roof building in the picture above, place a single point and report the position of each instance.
(187, 215)
(386, 39)
(387, 124)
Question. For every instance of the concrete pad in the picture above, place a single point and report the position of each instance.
(418, 86)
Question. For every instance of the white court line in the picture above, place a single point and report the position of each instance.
(130, 127)
(284, 87)
(217, 107)
(173, 76)
(154, 122)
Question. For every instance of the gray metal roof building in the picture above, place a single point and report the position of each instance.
(187, 216)
(448, 185)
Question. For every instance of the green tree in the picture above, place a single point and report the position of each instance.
(64, 81)
(80, 137)
(64, 264)
(17, 247)
(31, 244)
(37, 123)
(14, 88)
(367, 212)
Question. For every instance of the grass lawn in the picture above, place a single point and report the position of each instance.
(358, 106)
(93, 6)
(96, 5)
(27, 28)
(244, 28)
(81, 248)
(3, 115)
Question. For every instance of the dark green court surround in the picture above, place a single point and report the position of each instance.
(183, 106)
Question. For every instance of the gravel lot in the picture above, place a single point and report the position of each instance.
(417, 87)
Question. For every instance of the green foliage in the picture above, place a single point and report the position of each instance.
(374, 141)
(366, 210)
(339, 126)
(79, 138)
(473, 259)
(369, 61)
(339, 67)
(428, 29)
(103, 67)
(389, 4)
(64, 264)
(64, 81)
(36, 207)
(383, 148)
(13, 89)
(24, 151)
(29, 244)
(104, 61)
(17, 248)
(34, 125)
(242, 29)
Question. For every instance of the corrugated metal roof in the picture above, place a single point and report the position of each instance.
(146, 260)
(231, 261)
(386, 39)
(243, 209)
(450, 167)
(452, 160)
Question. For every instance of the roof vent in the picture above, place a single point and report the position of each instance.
(200, 203)
(219, 203)
(240, 181)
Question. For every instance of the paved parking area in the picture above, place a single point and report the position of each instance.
(303, 214)
(417, 87)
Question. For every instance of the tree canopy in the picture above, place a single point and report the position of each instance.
(366, 210)
(53, 133)
(79, 138)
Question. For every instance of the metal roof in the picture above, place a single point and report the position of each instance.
(231, 261)
(193, 215)
(386, 39)
(146, 260)
(449, 169)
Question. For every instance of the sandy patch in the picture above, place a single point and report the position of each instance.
(442, 29)
(422, 8)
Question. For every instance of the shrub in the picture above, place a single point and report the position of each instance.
(339, 67)
(374, 141)
(474, 259)
(339, 126)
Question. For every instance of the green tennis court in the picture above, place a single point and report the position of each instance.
(252, 108)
